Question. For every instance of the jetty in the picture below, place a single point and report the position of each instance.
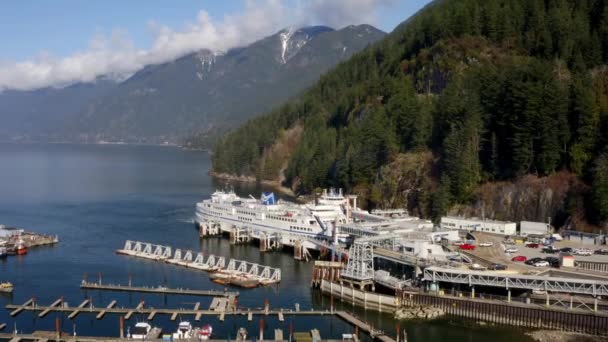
(265, 275)
(158, 290)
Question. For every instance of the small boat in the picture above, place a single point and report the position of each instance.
(184, 331)
(243, 281)
(6, 287)
(219, 277)
(21, 249)
(141, 331)
(241, 334)
(205, 332)
(3, 252)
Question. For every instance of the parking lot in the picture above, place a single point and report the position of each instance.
(496, 252)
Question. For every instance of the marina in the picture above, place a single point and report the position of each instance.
(233, 268)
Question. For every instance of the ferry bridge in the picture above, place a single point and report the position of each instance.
(517, 281)
(197, 260)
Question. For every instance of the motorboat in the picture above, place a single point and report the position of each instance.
(205, 332)
(184, 331)
(141, 331)
(6, 287)
(241, 334)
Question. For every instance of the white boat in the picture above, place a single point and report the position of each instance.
(141, 331)
(205, 332)
(184, 331)
(311, 222)
(241, 334)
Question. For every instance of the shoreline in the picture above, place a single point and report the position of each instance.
(563, 336)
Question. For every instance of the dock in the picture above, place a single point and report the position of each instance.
(50, 308)
(220, 307)
(374, 333)
(158, 290)
(22, 307)
(227, 311)
(78, 309)
(103, 312)
(265, 275)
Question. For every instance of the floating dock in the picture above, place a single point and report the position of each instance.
(265, 275)
(220, 306)
(158, 290)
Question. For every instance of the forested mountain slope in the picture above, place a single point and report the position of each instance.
(462, 102)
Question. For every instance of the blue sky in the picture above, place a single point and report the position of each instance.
(41, 38)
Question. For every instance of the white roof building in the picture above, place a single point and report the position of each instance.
(479, 225)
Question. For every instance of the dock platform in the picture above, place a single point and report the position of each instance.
(159, 290)
(374, 333)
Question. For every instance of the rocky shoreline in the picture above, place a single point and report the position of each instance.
(419, 312)
(563, 336)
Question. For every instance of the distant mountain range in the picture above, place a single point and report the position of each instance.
(200, 95)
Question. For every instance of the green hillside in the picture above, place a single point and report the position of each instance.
(468, 91)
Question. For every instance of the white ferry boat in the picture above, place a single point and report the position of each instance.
(310, 223)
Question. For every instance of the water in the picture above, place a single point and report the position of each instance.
(96, 197)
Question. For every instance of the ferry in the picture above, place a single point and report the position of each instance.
(312, 223)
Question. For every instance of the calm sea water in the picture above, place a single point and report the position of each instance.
(96, 197)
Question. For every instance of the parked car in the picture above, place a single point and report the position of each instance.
(553, 261)
(497, 267)
(550, 250)
(532, 245)
(511, 250)
(477, 267)
(541, 263)
(532, 261)
(486, 244)
(602, 251)
(566, 250)
(519, 258)
(583, 252)
(467, 246)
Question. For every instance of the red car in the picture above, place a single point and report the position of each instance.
(519, 258)
(467, 247)
(532, 245)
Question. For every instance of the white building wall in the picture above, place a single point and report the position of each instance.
(529, 227)
(473, 224)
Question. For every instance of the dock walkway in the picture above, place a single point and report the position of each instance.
(159, 290)
(374, 333)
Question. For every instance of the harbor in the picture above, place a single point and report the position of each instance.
(92, 229)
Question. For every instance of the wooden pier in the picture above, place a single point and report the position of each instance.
(221, 307)
(374, 333)
(158, 290)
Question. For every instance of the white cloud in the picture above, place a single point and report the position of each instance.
(118, 55)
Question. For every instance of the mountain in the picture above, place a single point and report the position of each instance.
(41, 115)
(469, 107)
(200, 95)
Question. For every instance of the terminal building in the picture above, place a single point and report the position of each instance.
(479, 225)
(534, 228)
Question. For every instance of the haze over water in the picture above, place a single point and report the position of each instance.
(97, 196)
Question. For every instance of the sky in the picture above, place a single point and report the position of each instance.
(55, 43)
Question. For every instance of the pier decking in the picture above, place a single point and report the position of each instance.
(157, 290)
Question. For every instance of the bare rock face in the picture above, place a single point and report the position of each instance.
(558, 197)
(405, 183)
